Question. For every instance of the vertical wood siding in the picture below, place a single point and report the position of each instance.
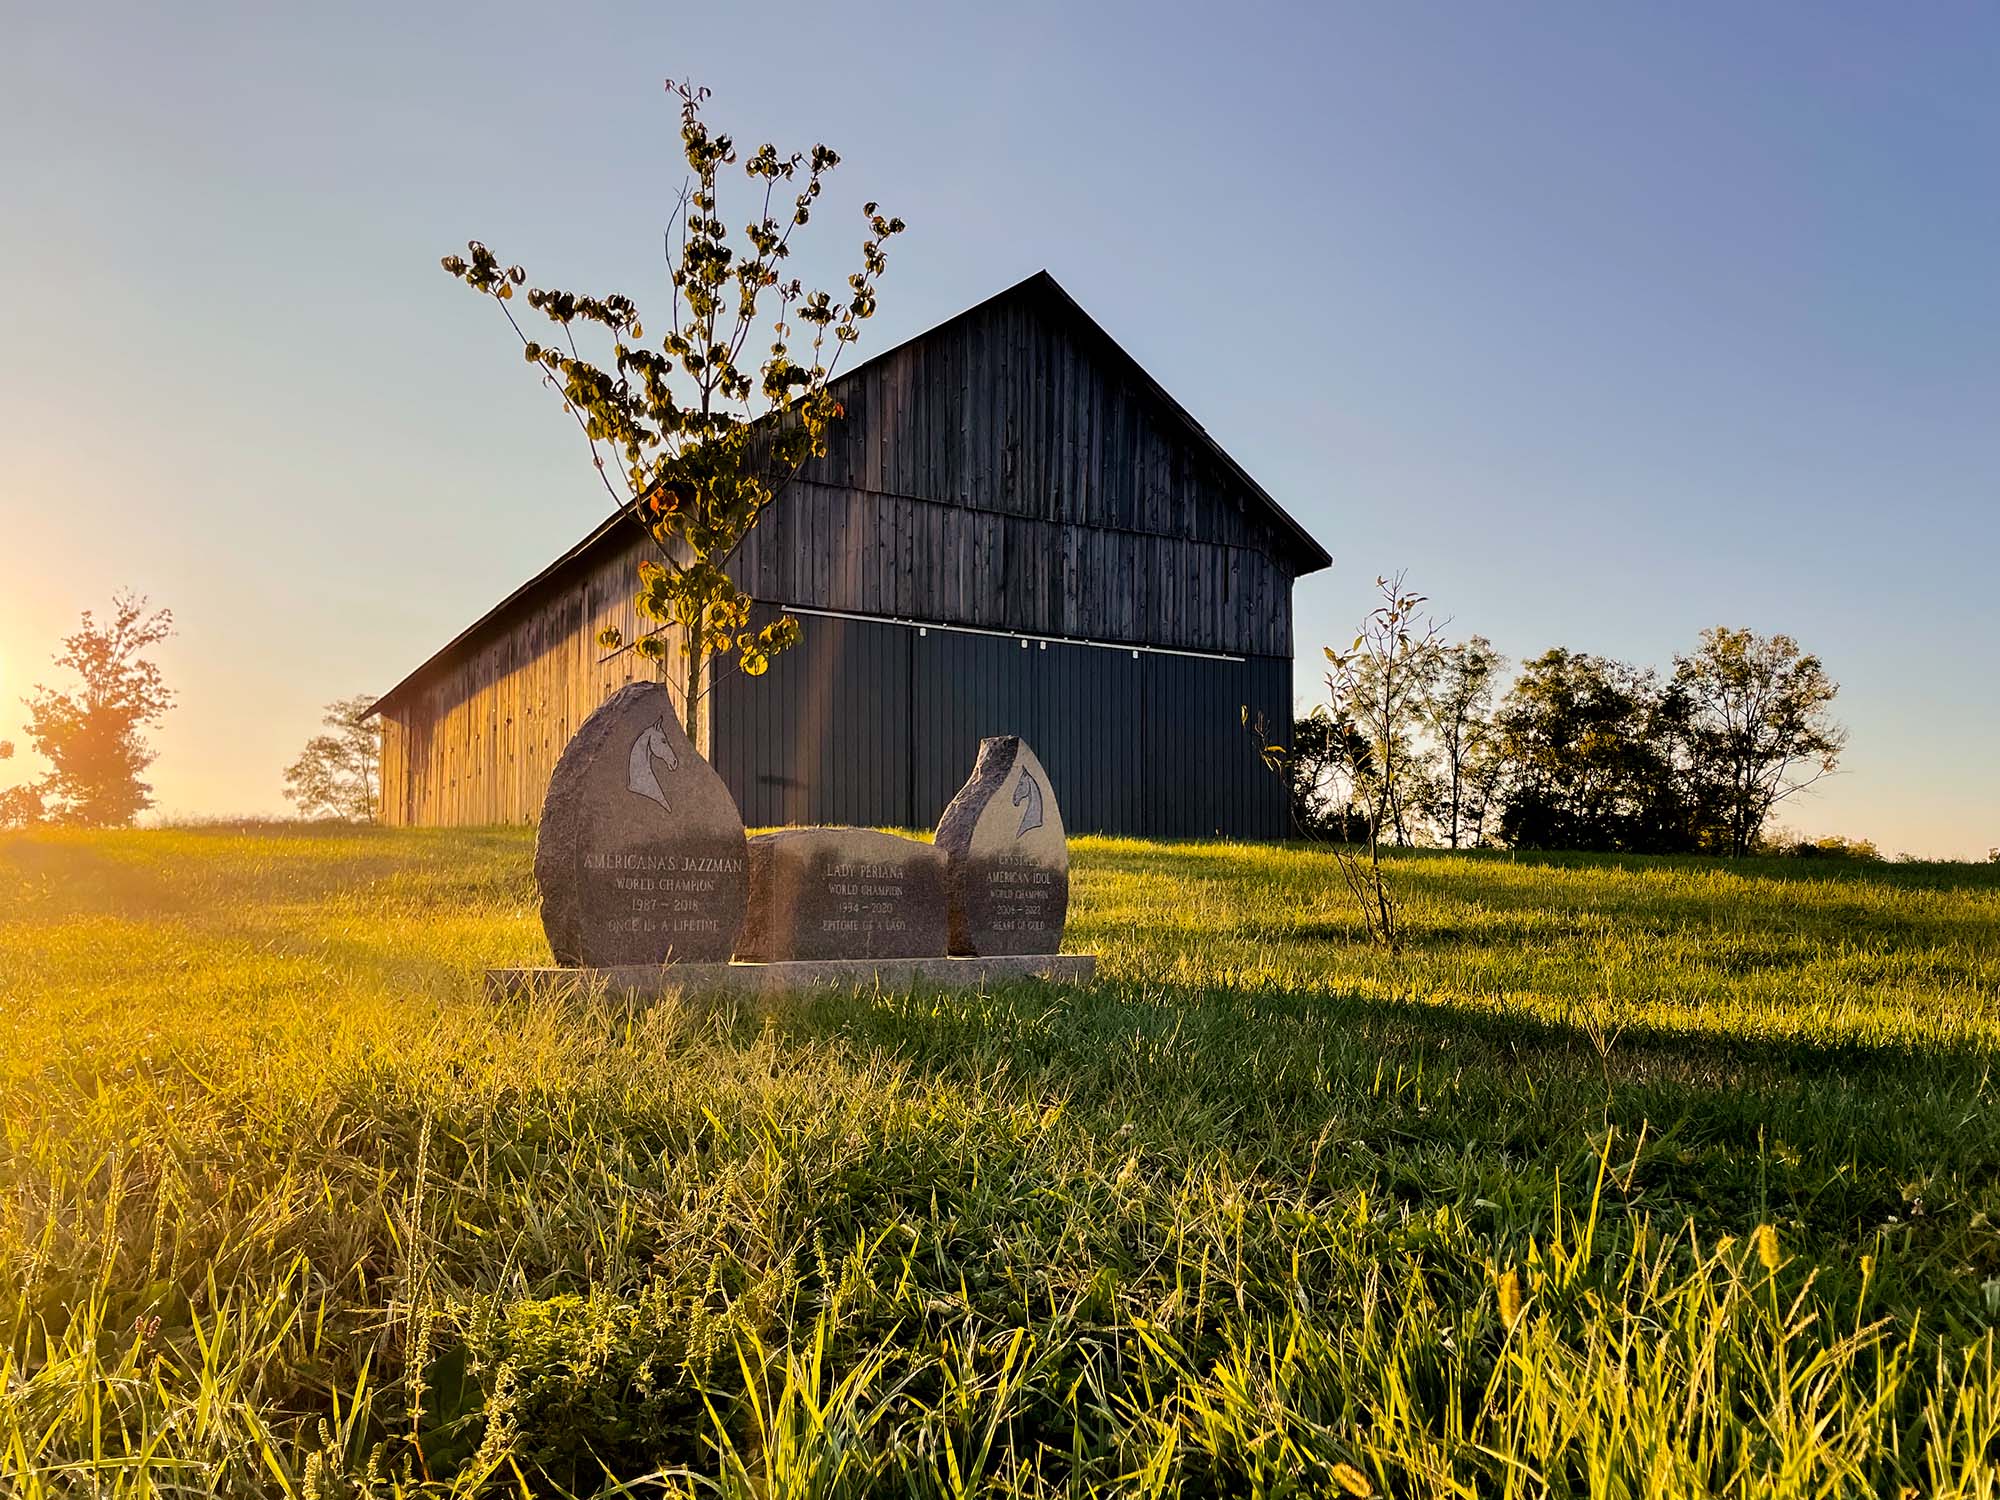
(1001, 472)
(475, 741)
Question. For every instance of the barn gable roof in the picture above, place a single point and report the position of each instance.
(1303, 552)
(1306, 553)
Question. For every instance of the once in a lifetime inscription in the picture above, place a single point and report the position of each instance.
(629, 874)
(1007, 857)
(671, 893)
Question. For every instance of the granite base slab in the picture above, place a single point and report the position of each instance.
(643, 981)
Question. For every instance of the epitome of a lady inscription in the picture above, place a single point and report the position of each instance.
(641, 856)
(1006, 855)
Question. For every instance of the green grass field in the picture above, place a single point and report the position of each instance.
(1627, 1178)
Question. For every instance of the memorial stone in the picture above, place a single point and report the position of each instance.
(820, 893)
(1006, 855)
(641, 856)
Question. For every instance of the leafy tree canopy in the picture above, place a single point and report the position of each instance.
(90, 734)
(1761, 724)
(1584, 769)
(339, 773)
(1329, 761)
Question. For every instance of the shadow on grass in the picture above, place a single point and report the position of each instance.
(1420, 1103)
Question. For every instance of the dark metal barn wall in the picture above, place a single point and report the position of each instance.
(875, 723)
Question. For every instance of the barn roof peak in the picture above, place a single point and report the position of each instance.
(1310, 556)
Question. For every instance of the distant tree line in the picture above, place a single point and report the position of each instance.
(90, 733)
(1434, 743)
(338, 776)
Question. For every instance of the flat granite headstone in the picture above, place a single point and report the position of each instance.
(824, 893)
(1006, 855)
(640, 858)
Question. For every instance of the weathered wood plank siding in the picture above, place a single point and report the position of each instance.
(475, 739)
(1000, 473)
(1009, 471)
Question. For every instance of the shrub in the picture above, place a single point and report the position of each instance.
(1834, 846)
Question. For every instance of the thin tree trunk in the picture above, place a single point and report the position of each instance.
(1455, 778)
(692, 702)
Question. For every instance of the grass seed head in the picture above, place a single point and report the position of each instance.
(1510, 1297)
(1352, 1481)
(1765, 1238)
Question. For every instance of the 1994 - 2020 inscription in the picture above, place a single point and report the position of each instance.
(843, 893)
(868, 896)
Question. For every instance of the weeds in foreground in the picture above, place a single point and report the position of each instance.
(1629, 1179)
(1653, 1365)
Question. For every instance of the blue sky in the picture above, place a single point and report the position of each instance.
(1607, 322)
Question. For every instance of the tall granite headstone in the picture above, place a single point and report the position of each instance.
(641, 857)
(819, 893)
(1006, 855)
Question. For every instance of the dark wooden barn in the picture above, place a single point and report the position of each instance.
(1016, 531)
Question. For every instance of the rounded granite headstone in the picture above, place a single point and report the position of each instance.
(640, 858)
(1006, 855)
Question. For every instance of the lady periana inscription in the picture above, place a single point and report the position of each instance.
(867, 897)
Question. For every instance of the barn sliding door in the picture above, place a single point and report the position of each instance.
(875, 724)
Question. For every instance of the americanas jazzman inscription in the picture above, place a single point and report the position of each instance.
(1006, 855)
(641, 857)
(843, 893)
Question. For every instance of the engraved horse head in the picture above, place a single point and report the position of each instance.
(1029, 791)
(641, 777)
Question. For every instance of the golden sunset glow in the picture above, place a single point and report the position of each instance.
(1001, 748)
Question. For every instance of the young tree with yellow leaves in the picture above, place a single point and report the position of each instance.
(704, 432)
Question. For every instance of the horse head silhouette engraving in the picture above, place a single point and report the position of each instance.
(1027, 790)
(642, 779)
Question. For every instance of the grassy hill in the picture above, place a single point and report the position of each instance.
(1627, 1177)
